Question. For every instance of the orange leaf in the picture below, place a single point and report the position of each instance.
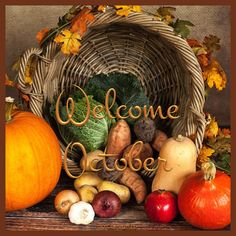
(102, 8)
(9, 82)
(79, 23)
(203, 60)
(41, 34)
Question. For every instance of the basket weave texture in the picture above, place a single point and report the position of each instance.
(139, 44)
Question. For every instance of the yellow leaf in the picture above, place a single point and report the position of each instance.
(70, 42)
(211, 129)
(214, 75)
(205, 154)
(30, 70)
(124, 10)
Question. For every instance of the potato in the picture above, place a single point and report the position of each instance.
(92, 159)
(119, 138)
(87, 178)
(87, 193)
(120, 190)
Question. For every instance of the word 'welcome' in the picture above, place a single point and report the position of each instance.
(111, 93)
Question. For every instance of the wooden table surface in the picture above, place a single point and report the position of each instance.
(44, 217)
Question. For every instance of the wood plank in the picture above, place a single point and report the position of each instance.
(44, 217)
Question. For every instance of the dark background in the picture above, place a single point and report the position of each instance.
(23, 22)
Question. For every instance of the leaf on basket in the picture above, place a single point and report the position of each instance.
(41, 34)
(222, 162)
(214, 75)
(102, 8)
(212, 43)
(205, 154)
(73, 11)
(181, 27)
(79, 23)
(9, 82)
(211, 129)
(124, 10)
(30, 70)
(165, 14)
(70, 42)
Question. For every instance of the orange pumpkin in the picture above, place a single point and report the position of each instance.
(32, 160)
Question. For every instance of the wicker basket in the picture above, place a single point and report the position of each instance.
(139, 44)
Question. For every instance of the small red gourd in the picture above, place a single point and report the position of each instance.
(32, 159)
(204, 198)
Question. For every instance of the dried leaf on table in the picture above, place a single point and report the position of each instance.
(181, 27)
(212, 43)
(79, 23)
(124, 10)
(70, 42)
(214, 75)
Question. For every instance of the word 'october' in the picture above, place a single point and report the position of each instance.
(111, 93)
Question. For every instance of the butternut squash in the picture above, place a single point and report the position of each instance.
(176, 161)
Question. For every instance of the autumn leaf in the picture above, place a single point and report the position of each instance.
(203, 60)
(181, 27)
(205, 154)
(224, 132)
(194, 43)
(165, 14)
(211, 129)
(214, 75)
(9, 82)
(124, 10)
(212, 43)
(102, 8)
(41, 34)
(79, 23)
(200, 52)
(70, 42)
(30, 70)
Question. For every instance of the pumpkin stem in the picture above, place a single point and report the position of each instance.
(8, 108)
(209, 170)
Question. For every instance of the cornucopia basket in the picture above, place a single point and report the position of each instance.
(138, 44)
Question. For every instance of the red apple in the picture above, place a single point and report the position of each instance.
(161, 206)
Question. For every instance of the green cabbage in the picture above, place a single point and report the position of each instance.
(94, 134)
